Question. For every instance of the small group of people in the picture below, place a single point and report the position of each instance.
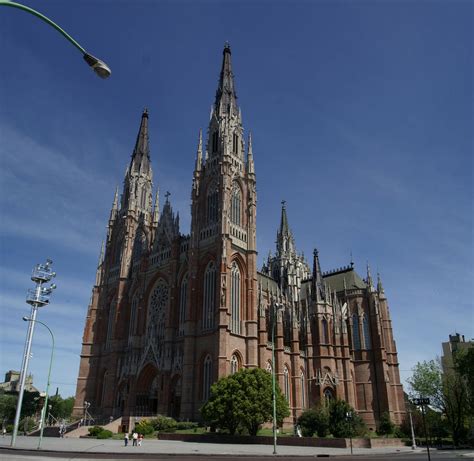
(136, 439)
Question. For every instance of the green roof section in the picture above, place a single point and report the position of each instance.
(336, 280)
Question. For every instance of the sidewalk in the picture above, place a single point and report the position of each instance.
(152, 446)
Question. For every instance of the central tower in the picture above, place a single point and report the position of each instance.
(222, 313)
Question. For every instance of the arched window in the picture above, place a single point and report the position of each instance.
(235, 143)
(209, 297)
(236, 204)
(132, 328)
(206, 378)
(157, 312)
(110, 325)
(234, 364)
(212, 205)
(355, 332)
(303, 390)
(366, 328)
(286, 382)
(215, 141)
(183, 297)
(328, 395)
(269, 367)
(325, 331)
(235, 299)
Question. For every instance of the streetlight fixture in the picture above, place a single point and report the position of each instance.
(98, 66)
(276, 308)
(349, 417)
(45, 406)
(37, 297)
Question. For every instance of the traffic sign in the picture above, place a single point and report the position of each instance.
(421, 401)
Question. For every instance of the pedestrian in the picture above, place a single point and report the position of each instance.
(140, 438)
(125, 439)
(134, 439)
(4, 431)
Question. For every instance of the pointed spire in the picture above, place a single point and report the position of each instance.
(316, 282)
(250, 164)
(156, 208)
(101, 256)
(369, 278)
(226, 99)
(141, 152)
(98, 273)
(114, 210)
(199, 153)
(379, 284)
(284, 229)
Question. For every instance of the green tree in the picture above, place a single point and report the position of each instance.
(244, 400)
(448, 393)
(314, 421)
(386, 425)
(61, 408)
(464, 365)
(7, 407)
(342, 426)
(426, 381)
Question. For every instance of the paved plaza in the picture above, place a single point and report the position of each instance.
(152, 446)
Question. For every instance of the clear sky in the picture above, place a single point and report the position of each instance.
(361, 116)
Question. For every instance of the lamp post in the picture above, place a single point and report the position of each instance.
(45, 406)
(37, 297)
(349, 417)
(86, 408)
(413, 439)
(99, 67)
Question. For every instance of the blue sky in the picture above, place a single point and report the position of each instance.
(361, 117)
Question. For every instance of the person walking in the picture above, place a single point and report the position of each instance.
(125, 439)
(140, 439)
(134, 439)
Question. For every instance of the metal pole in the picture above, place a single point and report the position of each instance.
(43, 412)
(413, 440)
(24, 366)
(273, 383)
(426, 432)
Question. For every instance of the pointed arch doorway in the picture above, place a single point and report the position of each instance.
(146, 400)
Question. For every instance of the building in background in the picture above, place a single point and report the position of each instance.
(455, 344)
(170, 313)
(12, 382)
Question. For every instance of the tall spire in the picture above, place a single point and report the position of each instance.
(379, 284)
(156, 209)
(199, 153)
(317, 287)
(284, 229)
(141, 152)
(114, 210)
(369, 278)
(226, 98)
(250, 164)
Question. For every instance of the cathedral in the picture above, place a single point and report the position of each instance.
(171, 313)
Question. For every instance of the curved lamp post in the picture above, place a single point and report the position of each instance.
(99, 67)
(45, 406)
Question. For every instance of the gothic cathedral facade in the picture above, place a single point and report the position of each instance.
(170, 314)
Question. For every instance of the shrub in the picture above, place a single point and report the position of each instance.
(386, 426)
(104, 434)
(340, 425)
(144, 427)
(164, 424)
(183, 425)
(94, 431)
(314, 421)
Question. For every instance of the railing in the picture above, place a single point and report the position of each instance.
(238, 232)
(208, 231)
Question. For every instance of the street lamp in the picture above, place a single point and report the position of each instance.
(86, 407)
(45, 406)
(37, 297)
(349, 417)
(99, 67)
(275, 309)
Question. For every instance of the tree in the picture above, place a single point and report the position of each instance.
(7, 407)
(386, 425)
(426, 381)
(314, 421)
(464, 366)
(339, 424)
(448, 393)
(61, 408)
(244, 400)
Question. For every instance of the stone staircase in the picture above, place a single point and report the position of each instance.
(83, 431)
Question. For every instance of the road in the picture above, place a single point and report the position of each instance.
(436, 455)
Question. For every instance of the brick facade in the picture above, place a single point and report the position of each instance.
(172, 313)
